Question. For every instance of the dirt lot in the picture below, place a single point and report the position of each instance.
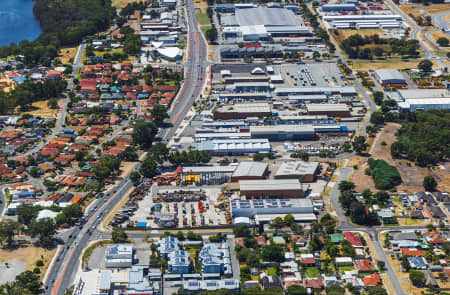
(419, 9)
(41, 109)
(438, 34)
(66, 53)
(412, 175)
(392, 64)
(28, 255)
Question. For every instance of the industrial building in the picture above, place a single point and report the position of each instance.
(329, 109)
(283, 132)
(245, 96)
(301, 170)
(202, 175)
(215, 258)
(279, 188)
(338, 7)
(242, 111)
(234, 51)
(389, 77)
(422, 99)
(247, 170)
(349, 91)
(119, 255)
(264, 211)
(234, 147)
(135, 281)
(371, 21)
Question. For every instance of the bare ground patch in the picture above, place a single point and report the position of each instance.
(411, 174)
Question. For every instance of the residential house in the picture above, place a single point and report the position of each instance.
(354, 239)
(372, 280)
(271, 281)
(417, 262)
(344, 261)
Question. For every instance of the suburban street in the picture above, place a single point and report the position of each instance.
(63, 272)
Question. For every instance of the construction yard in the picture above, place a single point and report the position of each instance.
(411, 174)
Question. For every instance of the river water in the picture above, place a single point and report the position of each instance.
(17, 21)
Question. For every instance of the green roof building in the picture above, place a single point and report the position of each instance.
(336, 238)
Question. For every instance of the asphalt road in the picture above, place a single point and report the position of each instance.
(62, 119)
(63, 271)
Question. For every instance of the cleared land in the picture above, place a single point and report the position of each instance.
(67, 53)
(41, 109)
(411, 174)
(418, 10)
(344, 34)
(28, 255)
(438, 34)
(391, 64)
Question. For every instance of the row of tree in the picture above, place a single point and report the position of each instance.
(28, 92)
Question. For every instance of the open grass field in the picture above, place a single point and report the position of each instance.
(202, 18)
(101, 53)
(411, 174)
(312, 272)
(67, 53)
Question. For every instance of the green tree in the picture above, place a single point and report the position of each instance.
(29, 281)
(429, 183)
(359, 144)
(417, 278)
(377, 118)
(159, 152)
(211, 34)
(135, 176)
(119, 235)
(425, 66)
(27, 213)
(296, 290)
(442, 41)
(143, 133)
(346, 186)
(44, 229)
(53, 103)
(378, 97)
(8, 229)
(258, 156)
(159, 113)
(241, 230)
(148, 167)
(277, 224)
(72, 212)
(273, 253)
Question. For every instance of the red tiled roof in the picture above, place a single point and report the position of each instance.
(353, 239)
(372, 280)
(308, 261)
(363, 265)
(412, 252)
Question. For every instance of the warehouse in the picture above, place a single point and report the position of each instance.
(423, 93)
(204, 174)
(242, 111)
(413, 105)
(283, 132)
(338, 7)
(372, 21)
(248, 170)
(343, 91)
(221, 135)
(234, 51)
(272, 188)
(301, 170)
(268, 17)
(234, 147)
(329, 109)
(245, 96)
(240, 79)
(388, 77)
(251, 87)
(266, 210)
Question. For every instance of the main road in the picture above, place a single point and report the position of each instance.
(63, 271)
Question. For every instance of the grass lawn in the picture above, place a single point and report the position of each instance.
(271, 271)
(312, 272)
(341, 269)
(202, 19)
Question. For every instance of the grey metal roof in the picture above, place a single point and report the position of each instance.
(266, 16)
(270, 184)
(297, 168)
(318, 107)
(250, 168)
(389, 74)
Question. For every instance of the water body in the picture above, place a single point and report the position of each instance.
(17, 21)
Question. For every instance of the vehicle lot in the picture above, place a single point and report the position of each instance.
(311, 74)
(187, 207)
